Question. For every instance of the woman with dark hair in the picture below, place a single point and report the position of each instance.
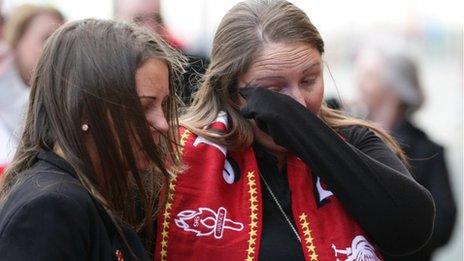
(98, 137)
(270, 172)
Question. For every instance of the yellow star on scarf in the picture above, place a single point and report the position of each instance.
(313, 256)
(164, 234)
(163, 252)
(252, 241)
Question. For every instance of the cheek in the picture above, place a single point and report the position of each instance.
(313, 98)
(372, 94)
(28, 52)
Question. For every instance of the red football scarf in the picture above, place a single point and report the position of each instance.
(213, 213)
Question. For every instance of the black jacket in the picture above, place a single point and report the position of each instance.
(428, 167)
(50, 216)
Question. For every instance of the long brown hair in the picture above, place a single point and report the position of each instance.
(86, 74)
(242, 33)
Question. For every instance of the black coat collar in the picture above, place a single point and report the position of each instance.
(57, 161)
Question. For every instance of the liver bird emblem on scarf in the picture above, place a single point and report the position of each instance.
(206, 222)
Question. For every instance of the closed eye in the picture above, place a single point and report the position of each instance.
(150, 102)
(147, 103)
(274, 88)
(308, 82)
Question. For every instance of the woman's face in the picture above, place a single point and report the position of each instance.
(29, 47)
(152, 84)
(293, 69)
(370, 82)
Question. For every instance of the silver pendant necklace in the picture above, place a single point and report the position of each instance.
(280, 208)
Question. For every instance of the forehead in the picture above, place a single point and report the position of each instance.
(284, 57)
(369, 59)
(44, 22)
(152, 78)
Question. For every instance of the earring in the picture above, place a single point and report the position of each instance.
(85, 127)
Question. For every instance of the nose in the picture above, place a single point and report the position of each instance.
(296, 94)
(160, 123)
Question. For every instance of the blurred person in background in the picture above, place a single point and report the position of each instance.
(3, 44)
(4, 134)
(5, 151)
(26, 30)
(390, 90)
(147, 13)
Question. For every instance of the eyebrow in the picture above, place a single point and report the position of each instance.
(269, 78)
(312, 66)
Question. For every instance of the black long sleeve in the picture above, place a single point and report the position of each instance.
(370, 181)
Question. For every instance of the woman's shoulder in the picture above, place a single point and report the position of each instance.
(54, 194)
(356, 134)
(47, 210)
(45, 183)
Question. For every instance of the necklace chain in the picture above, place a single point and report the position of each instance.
(280, 208)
